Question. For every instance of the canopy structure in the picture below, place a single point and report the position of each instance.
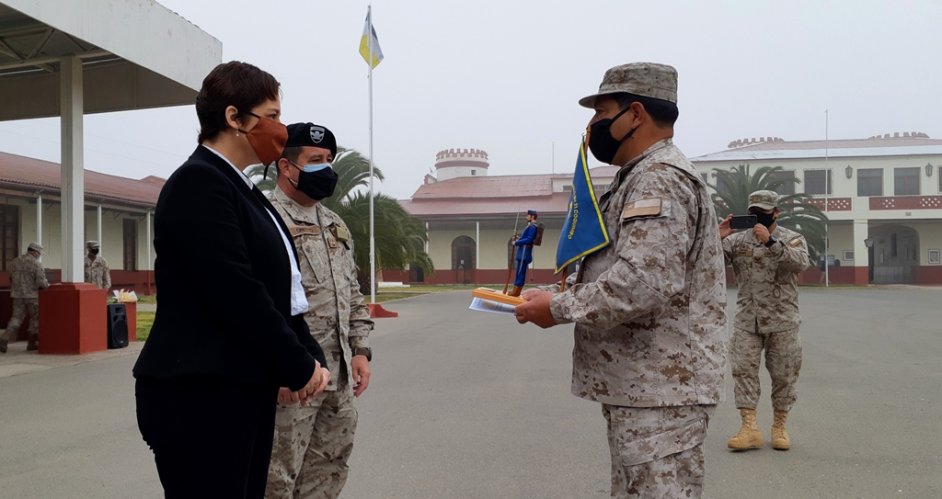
(71, 57)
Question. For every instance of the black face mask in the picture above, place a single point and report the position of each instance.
(318, 184)
(601, 142)
(766, 219)
(94, 251)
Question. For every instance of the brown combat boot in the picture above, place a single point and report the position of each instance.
(33, 343)
(516, 291)
(749, 436)
(780, 439)
(3, 344)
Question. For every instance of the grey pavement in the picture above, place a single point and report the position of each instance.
(470, 405)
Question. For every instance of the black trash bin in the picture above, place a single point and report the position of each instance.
(117, 325)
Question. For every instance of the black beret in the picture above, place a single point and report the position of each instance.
(311, 135)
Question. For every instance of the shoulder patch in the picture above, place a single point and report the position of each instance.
(642, 208)
(795, 242)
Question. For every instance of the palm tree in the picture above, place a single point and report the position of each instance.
(732, 191)
(399, 237)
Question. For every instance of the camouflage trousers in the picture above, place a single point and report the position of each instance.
(23, 307)
(657, 452)
(311, 446)
(782, 359)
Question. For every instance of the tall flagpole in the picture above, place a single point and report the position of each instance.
(827, 223)
(369, 16)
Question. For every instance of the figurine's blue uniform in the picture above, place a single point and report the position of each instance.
(524, 253)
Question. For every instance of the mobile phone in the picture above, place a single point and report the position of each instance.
(740, 222)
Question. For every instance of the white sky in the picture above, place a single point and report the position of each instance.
(505, 75)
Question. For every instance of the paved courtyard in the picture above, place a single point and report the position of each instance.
(471, 405)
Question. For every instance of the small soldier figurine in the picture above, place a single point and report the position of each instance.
(532, 236)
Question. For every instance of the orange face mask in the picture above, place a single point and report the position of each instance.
(267, 138)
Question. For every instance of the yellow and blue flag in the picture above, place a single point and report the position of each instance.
(584, 229)
(369, 44)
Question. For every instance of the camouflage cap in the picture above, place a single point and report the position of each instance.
(92, 245)
(766, 200)
(35, 247)
(647, 79)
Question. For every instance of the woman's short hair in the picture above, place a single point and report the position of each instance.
(234, 83)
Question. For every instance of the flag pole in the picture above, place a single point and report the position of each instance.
(369, 16)
(827, 280)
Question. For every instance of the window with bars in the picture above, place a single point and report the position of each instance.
(870, 182)
(9, 235)
(818, 182)
(788, 187)
(906, 181)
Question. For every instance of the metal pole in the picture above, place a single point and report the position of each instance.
(827, 223)
(369, 16)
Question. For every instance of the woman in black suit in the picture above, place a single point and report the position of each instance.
(228, 331)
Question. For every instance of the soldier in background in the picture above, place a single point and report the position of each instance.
(314, 441)
(27, 278)
(650, 308)
(524, 244)
(96, 268)
(766, 261)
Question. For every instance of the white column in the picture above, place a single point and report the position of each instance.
(39, 218)
(150, 242)
(861, 252)
(477, 244)
(100, 240)
(71, 109)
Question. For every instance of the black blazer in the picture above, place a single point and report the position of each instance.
(223, 283)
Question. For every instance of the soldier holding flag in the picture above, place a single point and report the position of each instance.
(650, 307)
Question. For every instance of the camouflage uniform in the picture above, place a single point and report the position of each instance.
(766, 314)
(312, 443)
(650, 314)
(97, 272)
(27, 278)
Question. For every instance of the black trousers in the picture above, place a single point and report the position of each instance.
(211, 437)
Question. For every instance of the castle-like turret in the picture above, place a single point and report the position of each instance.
(453, 163)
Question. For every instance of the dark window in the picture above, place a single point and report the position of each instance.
(869, 181)
(130, 244)
(816, 180)
(906, 181)
(722, 188)
(9, 235)
(788, 187)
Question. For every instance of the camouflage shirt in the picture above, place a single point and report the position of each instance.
(338, 316)
(97, 272)
(650, 308)
(27, 277)
(767, 279)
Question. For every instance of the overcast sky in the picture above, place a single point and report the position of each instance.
(505, 75)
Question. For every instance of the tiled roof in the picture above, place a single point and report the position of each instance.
(29, 175)
(801, 149)
(497, 195)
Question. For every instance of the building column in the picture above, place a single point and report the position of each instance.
(861, 253)
(150, 262)
(71, 107)
(101, 242)
(39, 219)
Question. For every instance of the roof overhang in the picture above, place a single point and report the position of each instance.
(135, 55)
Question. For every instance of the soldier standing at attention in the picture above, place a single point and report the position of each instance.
(766, 261)
(524, 255)
(650, 308)
(27, 278)
(96, 268)
(313, 441)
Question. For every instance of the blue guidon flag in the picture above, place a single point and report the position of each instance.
(584, 229)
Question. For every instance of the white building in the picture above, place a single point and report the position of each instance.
(883, 199)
